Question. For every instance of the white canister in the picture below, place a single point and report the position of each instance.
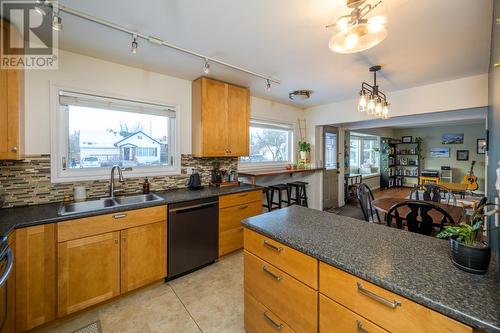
(79, 193)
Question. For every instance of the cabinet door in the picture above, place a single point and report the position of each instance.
(143, 255)
(238, 124)
(35, 265)
(89, 271)
(214, 118)
(11, 108)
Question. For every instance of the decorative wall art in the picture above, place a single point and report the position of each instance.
(462, 155)
(439, 152)
(452, 139)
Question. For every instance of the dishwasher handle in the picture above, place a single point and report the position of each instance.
(8, 266)
(187, 209)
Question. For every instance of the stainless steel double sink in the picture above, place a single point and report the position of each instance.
(107, 204)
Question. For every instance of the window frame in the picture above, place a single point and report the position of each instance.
(271, 124)
(361, 141)
(59, 133)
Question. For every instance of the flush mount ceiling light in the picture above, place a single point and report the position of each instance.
(300, 95)
(371, 99)
(357, 32)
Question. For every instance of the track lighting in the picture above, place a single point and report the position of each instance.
(268, 85)
(206, 67)
(134, 44)
(56, 22)
(40, 7)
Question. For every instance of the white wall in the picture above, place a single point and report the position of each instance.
(92, 74)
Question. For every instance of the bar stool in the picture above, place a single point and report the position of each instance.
(279, 188)
(300, 193)
(267, 204)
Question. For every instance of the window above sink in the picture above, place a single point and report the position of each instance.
(93, 132)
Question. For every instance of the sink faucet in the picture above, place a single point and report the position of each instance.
(112, 179)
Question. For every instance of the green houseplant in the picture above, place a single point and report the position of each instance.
(304, 148)
(467, 253)
(418, 150)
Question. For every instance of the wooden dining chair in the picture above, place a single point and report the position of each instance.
(433, 192)
(365, 198)
(418, 218)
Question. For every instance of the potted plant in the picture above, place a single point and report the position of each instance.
(304, 148)
(418, 150)
(467, 252)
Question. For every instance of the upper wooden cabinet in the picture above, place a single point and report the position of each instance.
(11, 108)
(221, 119)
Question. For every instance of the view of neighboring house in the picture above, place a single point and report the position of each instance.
(111, 148)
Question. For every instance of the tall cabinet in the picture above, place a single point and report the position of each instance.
(221, 119)
(11, 107)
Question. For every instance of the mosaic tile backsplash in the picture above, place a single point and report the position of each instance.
(27, 182)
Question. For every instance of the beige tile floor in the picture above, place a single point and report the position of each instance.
(208, 300)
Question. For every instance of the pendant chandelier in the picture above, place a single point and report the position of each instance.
(356, 32)
(371, 99)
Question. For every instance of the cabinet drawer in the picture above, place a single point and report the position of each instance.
(333, 317)
(258, 318)
(295, 263)
(367, 300)
(239, 198)
(230, 218)
(95, 225)
(230, 241)
(288, 298)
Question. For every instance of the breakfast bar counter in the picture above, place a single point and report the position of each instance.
(386, 261)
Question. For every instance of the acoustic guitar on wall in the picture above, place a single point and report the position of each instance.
(470, 179)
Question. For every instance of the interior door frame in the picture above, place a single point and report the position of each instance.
(335, 130)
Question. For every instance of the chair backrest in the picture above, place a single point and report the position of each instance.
(433, 192)
(365, 197)
(416, 214)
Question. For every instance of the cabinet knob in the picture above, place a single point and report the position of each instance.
(13, 149)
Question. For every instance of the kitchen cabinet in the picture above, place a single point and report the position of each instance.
(143, 255)
(113, 253)
(89, 271)
(35, 265)
(220, 118)
(232, 209)
(11, 107)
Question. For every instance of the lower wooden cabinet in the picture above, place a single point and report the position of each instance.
(35, 266)
(89, 271)
(142, 260)
(259, 319)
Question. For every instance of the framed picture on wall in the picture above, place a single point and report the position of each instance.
(407, 139)
(481, 146)
(462, 155)
(439, 152)
(452, 139)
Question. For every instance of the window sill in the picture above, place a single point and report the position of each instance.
(106, 176)
(370, 175)
(262, 166)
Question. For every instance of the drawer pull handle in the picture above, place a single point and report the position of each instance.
(242, 195)
(120, 216)
(271, 246)
(244, 207)
(275, 276)
(378, 298)
(359, 326)
(271, 320)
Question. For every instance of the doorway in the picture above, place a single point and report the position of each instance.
(331, 173)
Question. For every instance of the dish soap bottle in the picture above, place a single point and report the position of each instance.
(145, 186)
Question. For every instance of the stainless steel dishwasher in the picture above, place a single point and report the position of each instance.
(193, 235)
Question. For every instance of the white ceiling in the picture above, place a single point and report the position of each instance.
(429, 41)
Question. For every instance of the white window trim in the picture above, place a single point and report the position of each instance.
(271, 165)
(58, 135)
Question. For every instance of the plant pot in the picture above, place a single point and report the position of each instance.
(471, 259)
(303, 155)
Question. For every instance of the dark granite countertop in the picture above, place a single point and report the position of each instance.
(17, 217)
(414, 266)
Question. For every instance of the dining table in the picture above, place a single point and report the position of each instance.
(384, 204)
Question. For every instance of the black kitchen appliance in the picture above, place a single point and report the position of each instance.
(194, 182)
(193, 236)
(6, 263)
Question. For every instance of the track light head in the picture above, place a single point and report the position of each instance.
(268, 85)
(206, 67)
(41, 7)
(135, 45)
(56, 22)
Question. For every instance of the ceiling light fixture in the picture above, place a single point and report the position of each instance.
(160, 42)
(300, 95)
(134, 46)
(206, 67)
(268, 86)
(355, 32)
(371, 99)
(56, 22)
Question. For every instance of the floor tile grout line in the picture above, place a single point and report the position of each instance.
(184, 305)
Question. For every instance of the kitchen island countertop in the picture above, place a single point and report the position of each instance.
(414, 266)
